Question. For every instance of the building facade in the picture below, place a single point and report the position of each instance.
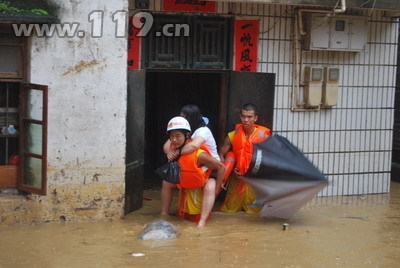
(85, 76)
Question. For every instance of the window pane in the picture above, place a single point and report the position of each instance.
(33, 172)
(10, 38)
(34, 104)
(317, 74)
(9, 62)
(33, 138)
(339, 26)
(333, 74)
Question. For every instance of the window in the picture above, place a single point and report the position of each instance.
(9, 103)
(207, 46)
(23, 120)
(12, 55)
(33, 137)
(340, 25)
(23, 137)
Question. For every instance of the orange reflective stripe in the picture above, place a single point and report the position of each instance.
(261, 134)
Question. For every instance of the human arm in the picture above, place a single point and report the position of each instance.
(210, 162)
(186, 149)
(226, 147)
(193, 145)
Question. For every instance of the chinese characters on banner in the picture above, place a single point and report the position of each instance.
(246, 45)
(189, 5)
(133, 47)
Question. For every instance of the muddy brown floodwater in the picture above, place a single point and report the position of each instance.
(356, 231)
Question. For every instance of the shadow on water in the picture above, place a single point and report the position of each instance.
(348, 231)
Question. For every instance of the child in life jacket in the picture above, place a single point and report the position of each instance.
(197, 190)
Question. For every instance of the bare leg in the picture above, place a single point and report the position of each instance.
(208, 201)
(167, 191)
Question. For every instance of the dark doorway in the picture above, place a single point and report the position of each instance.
(155, 96)
(166, 94)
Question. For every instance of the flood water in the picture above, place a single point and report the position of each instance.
(357, 231)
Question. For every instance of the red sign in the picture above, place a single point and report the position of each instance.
(133, 47)
(189, 5)
(246, 45)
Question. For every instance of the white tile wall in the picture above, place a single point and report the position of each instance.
(351, 142)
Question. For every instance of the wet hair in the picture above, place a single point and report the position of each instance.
(192, 114)
(249, 107)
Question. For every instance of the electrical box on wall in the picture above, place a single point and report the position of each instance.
(313, 78)
(338, 33)
(330, 86)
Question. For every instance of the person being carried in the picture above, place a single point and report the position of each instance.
(197, 191)
(201, 134)
(239, 195)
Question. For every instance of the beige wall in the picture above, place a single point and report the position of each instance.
(87, 84)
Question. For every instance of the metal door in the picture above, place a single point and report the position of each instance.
(135, 140)
(257, 88)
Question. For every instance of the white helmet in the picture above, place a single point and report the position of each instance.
(178, 122)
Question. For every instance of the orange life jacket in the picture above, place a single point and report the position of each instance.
(243, 147)
(192, 176)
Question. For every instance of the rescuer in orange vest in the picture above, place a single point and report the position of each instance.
(239, 195)
(197, 191)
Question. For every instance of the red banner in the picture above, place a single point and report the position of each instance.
(133, 47)
(246, 45)
(189, 5)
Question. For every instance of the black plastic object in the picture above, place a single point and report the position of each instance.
(170, 172)
(278, 159)
(282, 177)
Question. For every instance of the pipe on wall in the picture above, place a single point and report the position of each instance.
(298, 57)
